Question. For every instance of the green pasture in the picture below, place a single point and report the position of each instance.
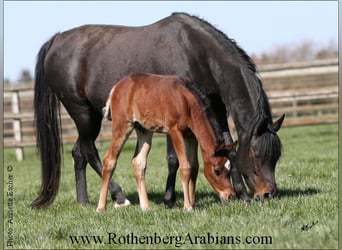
(305, 217)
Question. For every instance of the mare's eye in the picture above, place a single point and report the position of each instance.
(217, 171)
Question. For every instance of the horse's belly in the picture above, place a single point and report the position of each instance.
(151, 122)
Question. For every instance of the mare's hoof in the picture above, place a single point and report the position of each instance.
(169, 199)
(125, 204)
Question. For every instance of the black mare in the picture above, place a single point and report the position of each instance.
(78, 67)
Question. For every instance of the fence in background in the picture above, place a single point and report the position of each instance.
(306, 92)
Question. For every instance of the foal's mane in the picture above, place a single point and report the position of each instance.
(207, 107)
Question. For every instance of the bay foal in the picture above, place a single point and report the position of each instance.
(166, 104)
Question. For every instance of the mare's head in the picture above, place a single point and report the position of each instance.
(217, 171)
(257, 157)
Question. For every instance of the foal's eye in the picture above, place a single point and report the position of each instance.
(217, 171)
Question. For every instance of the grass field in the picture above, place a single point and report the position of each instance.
(305, 217)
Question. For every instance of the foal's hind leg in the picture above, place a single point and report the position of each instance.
(89, 153)
(173, 164)
(88, 124)
(139, 164)
(119, 136)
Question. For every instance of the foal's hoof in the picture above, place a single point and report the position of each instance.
(189, 209)
(125, 204)
(100, 210)
(226, 200)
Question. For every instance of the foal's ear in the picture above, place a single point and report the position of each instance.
(232, 146)
(227, 150)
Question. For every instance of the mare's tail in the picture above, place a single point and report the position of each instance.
(47, 123)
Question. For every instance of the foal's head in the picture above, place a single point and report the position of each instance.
(217, 171)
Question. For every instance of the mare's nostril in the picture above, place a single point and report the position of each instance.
(267, 196)
(257, 198)
(231, 197)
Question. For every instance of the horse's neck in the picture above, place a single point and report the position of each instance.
(236, 77)
(242, 92)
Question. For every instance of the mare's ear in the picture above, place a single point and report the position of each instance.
(261, 127)
(277, 124)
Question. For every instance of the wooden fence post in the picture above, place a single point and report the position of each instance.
(19, 151)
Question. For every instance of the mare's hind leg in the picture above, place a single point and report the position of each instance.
(85, 152)
(80, 174)
(173, 164)
(139, 164)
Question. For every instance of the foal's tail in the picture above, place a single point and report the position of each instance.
(106, 110)
(47, 123)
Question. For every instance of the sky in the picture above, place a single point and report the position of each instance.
(257, 26)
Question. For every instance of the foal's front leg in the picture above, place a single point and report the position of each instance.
(184, 165)
(139, 164)
(191, 145)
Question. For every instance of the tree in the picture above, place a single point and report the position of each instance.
(25, 76)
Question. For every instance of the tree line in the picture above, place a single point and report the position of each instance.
(304, 51)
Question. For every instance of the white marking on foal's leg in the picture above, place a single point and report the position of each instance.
(139, 165)
(189, 209)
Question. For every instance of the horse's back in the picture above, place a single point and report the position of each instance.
(90, 58)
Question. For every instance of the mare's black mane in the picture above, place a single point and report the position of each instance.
(270, 145)
(246, 59)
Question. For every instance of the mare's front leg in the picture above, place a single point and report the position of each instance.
(139, 164)
(184, 165)
(238, 184)
(221, 116)
(173, 164)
